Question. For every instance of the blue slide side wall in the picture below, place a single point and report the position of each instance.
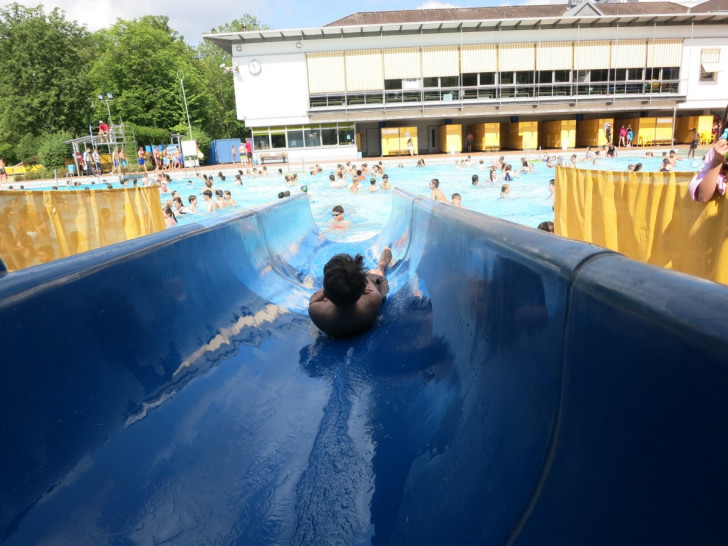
(518, 388)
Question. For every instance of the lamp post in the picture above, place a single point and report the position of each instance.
(184, 98)
(106, 97)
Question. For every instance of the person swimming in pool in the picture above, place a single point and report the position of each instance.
(351, 297)
(337, 218)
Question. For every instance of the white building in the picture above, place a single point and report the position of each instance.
(517, 77)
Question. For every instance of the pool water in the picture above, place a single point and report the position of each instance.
(529, 202)
(367, 212)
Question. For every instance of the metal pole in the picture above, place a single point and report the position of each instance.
(108, 109)
(184, 97)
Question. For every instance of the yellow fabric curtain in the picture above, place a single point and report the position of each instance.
(647, 216)
(40, 226)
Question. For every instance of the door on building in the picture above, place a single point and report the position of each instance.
(432, 140)
(373, 144)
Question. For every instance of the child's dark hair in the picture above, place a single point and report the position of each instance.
(344, 279)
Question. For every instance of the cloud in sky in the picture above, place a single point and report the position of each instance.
(436, 5)
(190, 19)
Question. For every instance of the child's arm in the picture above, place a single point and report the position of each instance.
(707, 181)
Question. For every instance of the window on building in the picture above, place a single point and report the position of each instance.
(581, 76)
(635, 74)
(599, 75)
(412, 83)
(709, 64)
(618, 75)
(470, 79)
(506, 78)
(524, 77)
(546, 76)
(487, 78)
(671, 73)
(441, 81)
(562, 76)
(277, 137)
(449, 81)
(392, 84)
(328, 135)
(346, 135)
(261, 142)
(312, 137)
(295, 138)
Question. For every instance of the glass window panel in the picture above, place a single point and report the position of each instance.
(599, 75)
(581, 76)
(635, 73)
(374, 98)
(487, 78)
(506, 78)
(562, 76)
(470, 80)
(346, 135)
(524, 77)
(278, 140)
(312, 137)
(328, 137)
(295, 138)
(449, 81)
(393, 84)
(545, 76)
(671, 73)
(432, 82)
(261, 142)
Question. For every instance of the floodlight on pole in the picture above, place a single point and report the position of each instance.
(106, 97)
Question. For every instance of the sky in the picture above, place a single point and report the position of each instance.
(193, 19)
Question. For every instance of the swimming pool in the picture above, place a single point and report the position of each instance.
(529, 202)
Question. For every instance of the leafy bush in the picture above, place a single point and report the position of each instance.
(53, 152)
(27, 148)
(36, 174)
(148, 136)
(203, 141)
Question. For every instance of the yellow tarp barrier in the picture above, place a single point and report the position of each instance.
(40, 226)
(647, 216)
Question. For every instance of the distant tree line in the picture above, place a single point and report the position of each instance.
(54, 69)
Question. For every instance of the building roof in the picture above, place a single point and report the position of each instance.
(710, 6)
(507, 12)
(554, 16)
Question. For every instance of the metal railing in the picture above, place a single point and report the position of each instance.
(472, 94)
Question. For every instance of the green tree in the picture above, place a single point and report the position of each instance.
(141, 64)
(222, 120)
(53, 150)
(43, 82)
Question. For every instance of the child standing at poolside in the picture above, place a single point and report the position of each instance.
(711, 180)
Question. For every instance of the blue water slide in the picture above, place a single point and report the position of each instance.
(518, 388)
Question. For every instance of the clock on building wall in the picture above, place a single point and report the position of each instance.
(254, 67)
